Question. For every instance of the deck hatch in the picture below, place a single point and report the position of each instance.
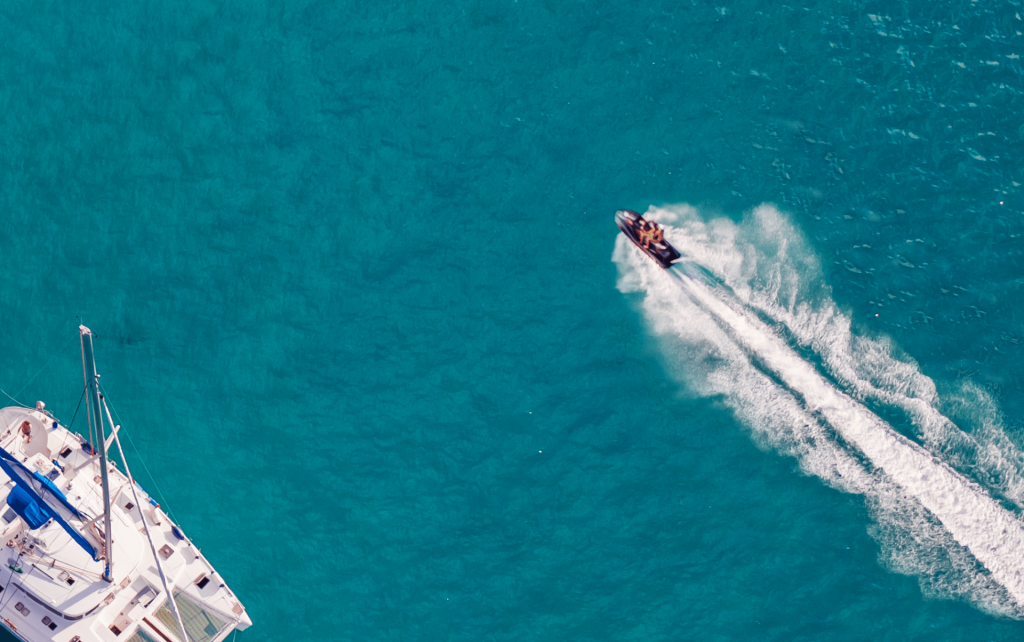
(145, 597)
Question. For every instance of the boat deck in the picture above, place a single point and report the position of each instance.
(54, 590)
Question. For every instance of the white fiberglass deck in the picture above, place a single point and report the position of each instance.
(54, 590)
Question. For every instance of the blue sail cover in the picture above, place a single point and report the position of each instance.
(50, 489)
(37, 505)
(27, 508)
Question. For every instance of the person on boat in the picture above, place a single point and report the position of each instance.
(26, 430)
(650, 234)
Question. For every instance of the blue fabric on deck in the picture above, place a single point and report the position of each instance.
(23, 477)
(26, 508)
(50, 488)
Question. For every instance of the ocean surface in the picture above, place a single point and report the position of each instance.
(361, 305)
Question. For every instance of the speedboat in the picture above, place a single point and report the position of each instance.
(647, 236)
(90, 555)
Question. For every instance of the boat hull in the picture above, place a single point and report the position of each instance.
(647, 236)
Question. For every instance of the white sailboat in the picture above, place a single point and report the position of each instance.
(89, 555)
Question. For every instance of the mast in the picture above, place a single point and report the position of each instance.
(92, 379)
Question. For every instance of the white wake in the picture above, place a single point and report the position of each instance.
(714, 330)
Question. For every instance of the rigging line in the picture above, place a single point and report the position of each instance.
(10, 582)
(165, 505)
(6, 420)
(52, 564)
(67, 429)
(44, 366)
(145, 527)
(127, 433)
(77, 408)
(13, 399)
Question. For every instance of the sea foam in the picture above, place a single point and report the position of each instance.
(750, 318)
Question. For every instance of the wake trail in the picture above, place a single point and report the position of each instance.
(991, 533)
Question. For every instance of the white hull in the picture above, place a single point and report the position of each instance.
(52, 576)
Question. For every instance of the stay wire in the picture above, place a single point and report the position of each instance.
(164, 504)
(84, 390)
(67, 432)
(13, 399)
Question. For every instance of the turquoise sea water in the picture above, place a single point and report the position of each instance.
(349, 271)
